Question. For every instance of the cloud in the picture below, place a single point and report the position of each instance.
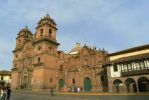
(109, 24)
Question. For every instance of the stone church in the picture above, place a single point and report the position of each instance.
(38, 65)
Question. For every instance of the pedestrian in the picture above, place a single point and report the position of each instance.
(8, 93)
(78, 89)
(3, 93)
(51, 92)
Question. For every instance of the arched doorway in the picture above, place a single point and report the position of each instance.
(143, 84)
(87, 84)
(131, 85)
(117, 84)
(61, 84)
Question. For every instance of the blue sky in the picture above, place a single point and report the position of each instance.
(111, 24)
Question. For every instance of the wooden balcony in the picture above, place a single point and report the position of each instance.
(135, 72)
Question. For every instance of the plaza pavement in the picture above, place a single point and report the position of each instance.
(29, 95)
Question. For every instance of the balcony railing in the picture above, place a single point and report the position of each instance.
(135, 72)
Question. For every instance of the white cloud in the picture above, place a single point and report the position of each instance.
(114, 24)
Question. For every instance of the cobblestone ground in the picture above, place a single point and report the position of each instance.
(46, 96)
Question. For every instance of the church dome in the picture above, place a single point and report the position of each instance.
(46, 20)
(25, 32)
(76, 49)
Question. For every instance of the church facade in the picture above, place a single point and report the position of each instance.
(38, 65)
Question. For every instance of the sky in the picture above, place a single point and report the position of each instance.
(110, 24)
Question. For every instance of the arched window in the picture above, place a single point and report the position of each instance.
(61, 67)
(39, 60)
(73, 81)
(39, 48)
(50, 48)
(15, 65)
(16, 56)
(50, 32)
(102, 78)
(27, 35)
(41, 32)
(51, 80)
(19, 41)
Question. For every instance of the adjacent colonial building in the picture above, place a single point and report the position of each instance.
(5, 78)
(38, 65)
(128, 70)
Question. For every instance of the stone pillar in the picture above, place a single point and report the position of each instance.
(137, 87)
(110, 81)
(125, 88)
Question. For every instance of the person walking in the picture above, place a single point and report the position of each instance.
(51, 92)
(3, 93)
(8, 93)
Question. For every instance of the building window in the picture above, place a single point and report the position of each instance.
(147, 63)
(15, 65)
(39, 48)
(16, 56)
(2, 77)
(19, 41)
(39, 60)
(146, 66)
(102, 78)
(41, 32)
(61, 68)
(51, 80)
(27, 35)
(142, 65)
(129, 67)
(50, 32)
(137, 66)
(73, 81)
(125, 68)
(115, 68)
(50, 48)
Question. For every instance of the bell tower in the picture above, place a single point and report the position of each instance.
(24, 37)
(45, 54)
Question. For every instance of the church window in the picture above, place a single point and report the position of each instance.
(41, 32)
(39, 48)
(50, 32)
(50, 48)
(39, 60)
(115, 68)
(61, 67)
(16, 56)
(73, 81)
(19, 41)
(102, 78)
(51, 80)
(15, 65)
(27, 35)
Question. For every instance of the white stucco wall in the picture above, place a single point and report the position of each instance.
(7, 79)
(128, 54)
(113, 73)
